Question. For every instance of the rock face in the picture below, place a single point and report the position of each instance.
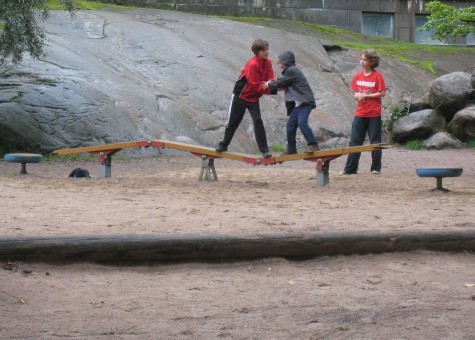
(151, 74)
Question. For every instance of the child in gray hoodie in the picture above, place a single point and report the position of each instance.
(299, 101)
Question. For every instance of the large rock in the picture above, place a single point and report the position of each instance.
(151, 74)
(420, 104)
(473, 86)
(450, 93)
(417, 125)
(462, 125)
(442, 140)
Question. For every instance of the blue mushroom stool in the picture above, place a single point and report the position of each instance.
(23, 158)
(439, 174)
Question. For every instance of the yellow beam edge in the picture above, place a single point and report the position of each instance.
(203, 150)
(97, 148)
(331, 152)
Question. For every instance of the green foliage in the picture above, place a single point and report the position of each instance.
(471, 143)
(245, 19)
(21, 31)
(407, 52)
(397, 111)
(328, 30)
(416, 144)
(278, 148)
(400, 50)
(70, 158)
(448, 20)
(80, 4)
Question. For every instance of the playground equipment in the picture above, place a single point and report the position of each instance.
(23, 158)
(208, 155)
(439, 174)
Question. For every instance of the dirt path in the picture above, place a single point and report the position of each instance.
(405, 295)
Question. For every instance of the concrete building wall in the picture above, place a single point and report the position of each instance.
(346, 14)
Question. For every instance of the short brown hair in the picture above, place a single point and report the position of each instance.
(372, 57)
(259, 45)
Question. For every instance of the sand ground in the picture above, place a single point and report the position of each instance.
(408, 295)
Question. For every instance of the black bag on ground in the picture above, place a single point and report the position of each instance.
(79, 172)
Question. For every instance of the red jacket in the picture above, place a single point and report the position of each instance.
(249, 84)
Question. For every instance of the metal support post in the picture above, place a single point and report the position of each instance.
(207, 171)
(106, 164)
(323, 177)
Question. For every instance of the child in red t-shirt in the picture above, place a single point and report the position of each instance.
(369, 87)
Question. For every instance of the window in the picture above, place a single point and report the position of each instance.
(425, 37)
(471, 39)
(378, 25)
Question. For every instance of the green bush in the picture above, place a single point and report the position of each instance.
(416, 144)
(397, 111)
(471, 143)
(70, 158)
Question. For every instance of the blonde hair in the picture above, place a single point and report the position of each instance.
(372, 57)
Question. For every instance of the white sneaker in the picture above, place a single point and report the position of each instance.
(376, 172)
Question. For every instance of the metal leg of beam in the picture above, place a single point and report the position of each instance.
(207, 171)
(323, 177)
(106, 165)
(213, 170)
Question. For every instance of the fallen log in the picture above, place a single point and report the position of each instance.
(198, 247)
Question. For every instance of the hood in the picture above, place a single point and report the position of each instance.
(287, 58)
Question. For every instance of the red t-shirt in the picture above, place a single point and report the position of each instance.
(368, 84)
(255, 72)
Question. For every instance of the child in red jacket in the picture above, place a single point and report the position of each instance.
(246, 94)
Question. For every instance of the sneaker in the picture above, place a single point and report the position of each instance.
(285, 153)
(221, 147)
(266, 154)
(344, 172)
(376, 172)
(312, 148)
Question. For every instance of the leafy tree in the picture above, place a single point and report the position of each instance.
(448, 20)
(20, 30)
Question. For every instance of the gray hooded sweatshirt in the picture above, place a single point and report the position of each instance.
(293, 80)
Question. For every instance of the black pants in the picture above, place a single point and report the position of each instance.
(359, 128)
(238, 109)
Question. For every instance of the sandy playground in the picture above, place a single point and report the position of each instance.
(408, 295)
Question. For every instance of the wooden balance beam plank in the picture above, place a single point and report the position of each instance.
(207, 155)
(251, 159)
(327, 153)
(102, 148)
(203, 150)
